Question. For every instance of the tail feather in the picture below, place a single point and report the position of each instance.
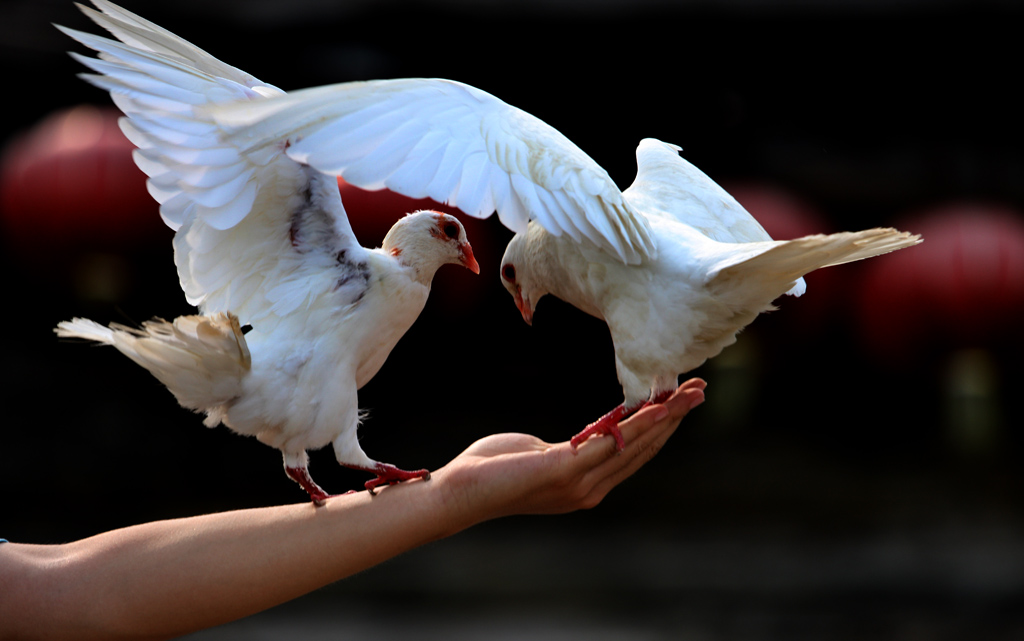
(776, 268)
(201, 359)
(87, 329)
(872, 242)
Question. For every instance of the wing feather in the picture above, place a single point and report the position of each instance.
(666, 185)
(473, 195)
(511, 211)
(142, 34)
(374, 167)
(232, 205)
(433, 137)
(669, 186)
(413, 176)
(444, 186)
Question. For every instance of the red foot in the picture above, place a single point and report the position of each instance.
(389, 474)
(301, 476)
(609, 423)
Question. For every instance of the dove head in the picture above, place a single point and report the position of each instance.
(425, 240)
(517, 277)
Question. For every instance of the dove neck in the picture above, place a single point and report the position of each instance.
(557, 266)
(540, 254)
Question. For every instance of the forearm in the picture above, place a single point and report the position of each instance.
(168, 578)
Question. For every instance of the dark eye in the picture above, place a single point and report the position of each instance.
(451, 231)
(509, 272)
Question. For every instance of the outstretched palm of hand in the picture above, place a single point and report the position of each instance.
(521, 474)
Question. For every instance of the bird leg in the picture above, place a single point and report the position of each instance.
(609, 423)
(389, 474)
(301, 476)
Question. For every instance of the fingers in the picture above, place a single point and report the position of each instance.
(595, 468)
(518, 473)
(647, 442)
(684, 398)
(687, 396)
(646, 434)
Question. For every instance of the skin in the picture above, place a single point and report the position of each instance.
(168, 578)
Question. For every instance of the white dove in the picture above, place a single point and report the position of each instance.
(262, 240)
(716, 269)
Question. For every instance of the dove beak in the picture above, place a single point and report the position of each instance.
(467, 258)
(524, 307)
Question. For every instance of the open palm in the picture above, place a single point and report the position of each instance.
(521, 474)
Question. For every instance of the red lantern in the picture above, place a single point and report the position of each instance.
(962, 287)
(782, 214)
(71, 179)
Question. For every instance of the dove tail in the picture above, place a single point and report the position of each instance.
(87, 329)
(779, 267)
(201, 359)
(851, 246)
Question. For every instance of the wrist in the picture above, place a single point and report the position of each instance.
(427, 510)
(453, 507)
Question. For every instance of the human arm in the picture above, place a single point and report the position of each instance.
(167, 578)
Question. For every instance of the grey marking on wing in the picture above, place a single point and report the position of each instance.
(312, 227)
(354, 274)
(312, 230)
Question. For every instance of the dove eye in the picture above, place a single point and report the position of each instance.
(509, 272)
(451, 231)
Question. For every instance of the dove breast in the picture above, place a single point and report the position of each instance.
(308, 362)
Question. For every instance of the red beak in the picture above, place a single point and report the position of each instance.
(524, 307)
(468, 260)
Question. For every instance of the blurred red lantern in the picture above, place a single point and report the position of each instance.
(962, 287)
(372, 213)
(782, 214)
(71, 179)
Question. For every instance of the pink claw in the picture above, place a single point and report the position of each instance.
(609, 423)
(301, 476)
(389, 474)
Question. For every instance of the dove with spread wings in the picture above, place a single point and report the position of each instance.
(262, 243)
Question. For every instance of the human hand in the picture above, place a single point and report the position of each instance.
(507, 474)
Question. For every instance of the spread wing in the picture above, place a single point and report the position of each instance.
(450, 142)
(667, 185)
(252, 226)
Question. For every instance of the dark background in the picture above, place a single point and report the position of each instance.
(848, 477)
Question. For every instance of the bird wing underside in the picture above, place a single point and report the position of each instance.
(280, 258)
(250, 224)
(453, 143)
